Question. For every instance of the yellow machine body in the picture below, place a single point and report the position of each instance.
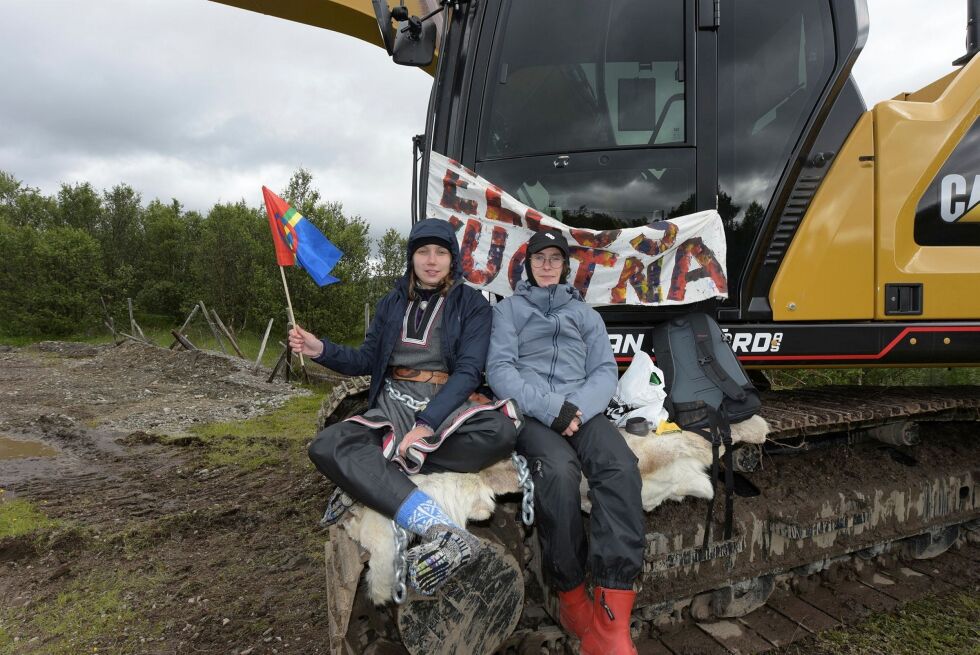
(858, 233)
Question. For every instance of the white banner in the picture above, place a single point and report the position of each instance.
(673, 262)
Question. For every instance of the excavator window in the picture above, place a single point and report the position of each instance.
(603, 190)
(571, 75)
(584, 114)
(775, 58)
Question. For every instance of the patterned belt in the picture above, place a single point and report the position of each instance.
(416, 375)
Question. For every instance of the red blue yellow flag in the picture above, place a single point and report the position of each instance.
(297, 240)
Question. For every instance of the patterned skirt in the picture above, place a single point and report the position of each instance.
(398, 403)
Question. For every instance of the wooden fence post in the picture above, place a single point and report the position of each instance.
(134, 327)
(258, 360)
(109, 323)
(227, 333)
(279, 362)
(214, 330)
(182, 340)
(187, 322)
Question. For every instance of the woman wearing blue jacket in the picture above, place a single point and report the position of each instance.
(425, 351)
(550, 352)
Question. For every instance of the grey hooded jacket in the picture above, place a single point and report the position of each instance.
(547, 346)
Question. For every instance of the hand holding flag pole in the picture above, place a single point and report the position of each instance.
(298, 241)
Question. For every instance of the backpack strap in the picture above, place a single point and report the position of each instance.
(664, 356)
(726, 440)
(707, 361)
(720, 433)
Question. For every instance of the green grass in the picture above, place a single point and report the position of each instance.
(17, 341)
(19, 517)
(800, 378)
(84, 617)
(948, 625)
(263, 440)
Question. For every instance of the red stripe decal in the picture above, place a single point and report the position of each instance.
(887, 349)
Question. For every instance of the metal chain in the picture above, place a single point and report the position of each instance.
(399, 591)
(405, 399)
(524, 479)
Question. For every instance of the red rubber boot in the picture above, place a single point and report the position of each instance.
(575, 610)
(610, 632)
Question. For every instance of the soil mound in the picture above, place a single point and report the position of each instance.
(134, 386)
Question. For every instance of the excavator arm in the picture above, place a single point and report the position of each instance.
(352, 17)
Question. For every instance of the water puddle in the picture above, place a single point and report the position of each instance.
(18, 449)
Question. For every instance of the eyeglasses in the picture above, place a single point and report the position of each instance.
(538, 260)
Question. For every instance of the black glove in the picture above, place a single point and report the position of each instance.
(568, 413)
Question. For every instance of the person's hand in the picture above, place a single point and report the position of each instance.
(304, 343)
(574, 425)
(414, 435)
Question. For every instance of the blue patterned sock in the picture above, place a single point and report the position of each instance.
(419, 512)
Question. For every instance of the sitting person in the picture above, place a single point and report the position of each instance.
(425, 351)
(550, 352)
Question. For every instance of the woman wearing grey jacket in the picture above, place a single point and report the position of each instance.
(550, 352)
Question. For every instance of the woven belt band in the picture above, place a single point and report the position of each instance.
(415, 375)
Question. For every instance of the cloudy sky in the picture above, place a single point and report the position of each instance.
(205, 103)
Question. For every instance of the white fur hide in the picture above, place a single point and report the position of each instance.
(672, 466)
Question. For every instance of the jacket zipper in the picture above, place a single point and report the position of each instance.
(554, 341)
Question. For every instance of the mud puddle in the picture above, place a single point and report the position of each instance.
(21, 449)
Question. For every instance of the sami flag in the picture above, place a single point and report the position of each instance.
(297, 239)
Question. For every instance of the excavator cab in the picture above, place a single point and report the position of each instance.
(852, 234)
(622, 113)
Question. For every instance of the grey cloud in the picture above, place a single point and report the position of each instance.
(910, 44)
(203, 102)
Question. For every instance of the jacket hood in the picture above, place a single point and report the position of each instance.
(439, 229)
(547, 298)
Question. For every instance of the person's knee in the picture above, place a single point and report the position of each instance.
(611, 458)
(497, 435)
(560, 475)
(323, 450)
(507, 433)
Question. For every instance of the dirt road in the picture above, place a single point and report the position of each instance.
(129, 530)
(143, 547)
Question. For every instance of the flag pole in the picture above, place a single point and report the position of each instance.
(289, 308)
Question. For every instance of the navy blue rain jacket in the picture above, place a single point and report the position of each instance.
(466, 318)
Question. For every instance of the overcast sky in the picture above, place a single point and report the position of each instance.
(205, 103)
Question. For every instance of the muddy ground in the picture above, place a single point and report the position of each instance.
(145, 547)
(148, 533)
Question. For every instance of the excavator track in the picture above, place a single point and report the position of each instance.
(855, 479)
(837, 409)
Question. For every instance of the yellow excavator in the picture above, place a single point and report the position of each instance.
(853, 240)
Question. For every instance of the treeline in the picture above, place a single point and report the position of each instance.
(59, 254)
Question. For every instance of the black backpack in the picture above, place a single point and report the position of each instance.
(707, 391)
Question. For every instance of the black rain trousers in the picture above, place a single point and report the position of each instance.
(616, 526)
(350, 454)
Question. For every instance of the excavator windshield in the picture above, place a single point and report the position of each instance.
(617, 113)
(581, 99)
(574, 75)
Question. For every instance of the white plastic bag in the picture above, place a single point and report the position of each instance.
(641, 390)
